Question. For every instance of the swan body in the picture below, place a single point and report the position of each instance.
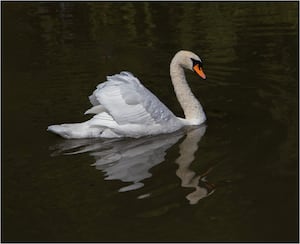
(123, 107)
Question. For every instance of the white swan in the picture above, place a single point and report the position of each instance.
(125, 108)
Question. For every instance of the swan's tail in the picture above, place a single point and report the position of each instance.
(76, 131)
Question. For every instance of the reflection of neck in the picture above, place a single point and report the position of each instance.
(192, 108)
(188, 179)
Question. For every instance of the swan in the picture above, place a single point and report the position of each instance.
(123, 107)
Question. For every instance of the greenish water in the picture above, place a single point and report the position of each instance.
(234, 180)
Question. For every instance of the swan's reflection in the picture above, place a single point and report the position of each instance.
(130, 160)
(188, 177)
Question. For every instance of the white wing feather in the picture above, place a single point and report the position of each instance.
(96, 110)
(123, 107)
(129, 102)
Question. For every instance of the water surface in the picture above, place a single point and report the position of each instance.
(234, 179)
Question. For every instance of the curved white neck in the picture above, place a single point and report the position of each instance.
(193, 111)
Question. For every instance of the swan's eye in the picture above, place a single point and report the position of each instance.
(197, 62)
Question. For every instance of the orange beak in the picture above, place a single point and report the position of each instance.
(199, 71)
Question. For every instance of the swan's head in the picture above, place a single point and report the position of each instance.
(189, 60)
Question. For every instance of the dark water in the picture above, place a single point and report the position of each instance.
(234, 180)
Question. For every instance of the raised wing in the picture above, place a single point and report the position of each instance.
(128, 101)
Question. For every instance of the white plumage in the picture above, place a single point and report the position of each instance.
(125, 108)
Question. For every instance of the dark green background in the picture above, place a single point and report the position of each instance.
(53, 56)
